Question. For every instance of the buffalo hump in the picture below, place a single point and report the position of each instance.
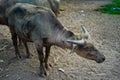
(27, 19)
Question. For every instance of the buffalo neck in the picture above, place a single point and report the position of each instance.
(60, 36)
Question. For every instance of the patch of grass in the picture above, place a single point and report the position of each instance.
(111, 8)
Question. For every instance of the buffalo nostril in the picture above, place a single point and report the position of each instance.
(103, 59)
(100, 60)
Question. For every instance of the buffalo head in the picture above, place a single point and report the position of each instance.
(86, 49)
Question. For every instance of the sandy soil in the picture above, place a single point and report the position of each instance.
(105, 33)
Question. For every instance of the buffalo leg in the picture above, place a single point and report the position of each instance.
(47, 51)
(27, 49)
(14, 39)
(20, 43)
(41, 59)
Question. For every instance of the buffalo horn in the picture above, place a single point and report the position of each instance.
(79, 42)
(85, 32)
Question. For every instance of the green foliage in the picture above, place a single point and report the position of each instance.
(117, 1)
(112, 8)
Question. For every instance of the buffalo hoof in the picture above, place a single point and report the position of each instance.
(43, 74)
(18, 57)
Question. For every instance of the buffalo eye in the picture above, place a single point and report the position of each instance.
(88, 48)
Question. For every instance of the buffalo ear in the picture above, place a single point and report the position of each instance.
(85, 34)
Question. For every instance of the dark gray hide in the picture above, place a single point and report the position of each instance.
(6, 4)
(52, 4)
(36, 21)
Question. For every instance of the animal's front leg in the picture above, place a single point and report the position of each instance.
(27, 49)
(20, 43)
(47, 65)
(43, 72)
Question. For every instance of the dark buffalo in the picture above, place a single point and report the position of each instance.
(40, 26)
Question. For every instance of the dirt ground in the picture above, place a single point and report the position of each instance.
(104, 30)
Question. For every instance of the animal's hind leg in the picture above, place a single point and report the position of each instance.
(14, 39)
